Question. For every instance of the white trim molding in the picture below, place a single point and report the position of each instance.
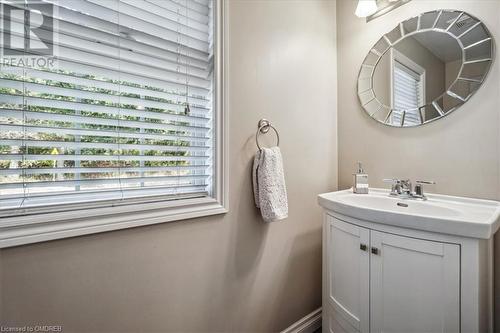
(307, 324)
(89, 219)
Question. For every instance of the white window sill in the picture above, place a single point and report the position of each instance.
(28, 229)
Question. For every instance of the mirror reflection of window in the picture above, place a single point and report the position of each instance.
(408, 90)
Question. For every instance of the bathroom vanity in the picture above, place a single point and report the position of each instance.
(404, 265)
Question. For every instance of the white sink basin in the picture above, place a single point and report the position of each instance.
(440, 213)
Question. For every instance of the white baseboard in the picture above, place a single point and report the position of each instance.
(307, 324)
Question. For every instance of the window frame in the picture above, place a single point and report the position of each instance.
(400, 58)
(82, 219)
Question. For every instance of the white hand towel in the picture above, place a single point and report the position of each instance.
(269, 184)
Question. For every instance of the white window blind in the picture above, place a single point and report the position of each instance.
(126, 112)
(407, 94)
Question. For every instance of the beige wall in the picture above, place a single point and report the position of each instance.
(228, 273)
(460, 152)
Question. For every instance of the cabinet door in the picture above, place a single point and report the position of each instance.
(415, 285)
(348, 276)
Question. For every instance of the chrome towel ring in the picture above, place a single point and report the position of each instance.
(263, 127)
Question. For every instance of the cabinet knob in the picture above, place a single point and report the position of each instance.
(375, 250)
(362, 247)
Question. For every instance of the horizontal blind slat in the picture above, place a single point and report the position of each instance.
(173, 12)
(73, 170)
(116, 111)
(131, 16)
(163, 83)
(176, 74)
(71, 22)
(103, 145)
(110, 121)
(48, 157)
(102, 181)
(102, 42)
(104, 10)
(115, 87)
(202, 9)
(64, 15)
(27, 129)
(76, 200)
(176, 7)
(77, 93)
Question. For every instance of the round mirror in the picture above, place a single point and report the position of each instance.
(425, 68)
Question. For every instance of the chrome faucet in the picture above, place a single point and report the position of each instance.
(402, 188)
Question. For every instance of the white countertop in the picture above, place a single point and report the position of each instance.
(451, 215)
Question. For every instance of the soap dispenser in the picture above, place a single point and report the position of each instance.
(360, 181)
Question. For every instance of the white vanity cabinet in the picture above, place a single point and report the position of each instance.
(346, 294)
(379, 277)
(414, 285)
(380, 282)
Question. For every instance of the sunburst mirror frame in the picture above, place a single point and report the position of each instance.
(446, 21)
